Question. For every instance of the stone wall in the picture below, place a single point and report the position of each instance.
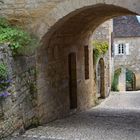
(131, 61)
(22, 11)
(54, 98)
(103, 34)
(19, 108)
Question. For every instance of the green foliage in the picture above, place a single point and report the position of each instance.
(100, 49)
(129, 76)
(3, 71)
(4, 23)
(4, 82)
(15, 37)
(114, 86)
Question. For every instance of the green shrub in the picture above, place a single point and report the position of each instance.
(114, 86)
(15, 37)
(100, 48)
(3, 71)
(4, 78)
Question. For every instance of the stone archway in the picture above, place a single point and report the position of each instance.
(130, 80)
(125, 79)
(65, 32)
(72, 80)
(101, 78)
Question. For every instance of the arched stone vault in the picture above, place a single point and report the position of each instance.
(89, 9)
(64, 30)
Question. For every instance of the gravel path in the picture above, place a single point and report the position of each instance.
(117, 118)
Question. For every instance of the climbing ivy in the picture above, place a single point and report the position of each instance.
(100, 48)
(115, 81)
(3, 71)
(4, 80)
(15, 37)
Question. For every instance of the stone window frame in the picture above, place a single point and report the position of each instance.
(121, 49)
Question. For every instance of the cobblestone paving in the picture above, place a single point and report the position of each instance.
(117, 118)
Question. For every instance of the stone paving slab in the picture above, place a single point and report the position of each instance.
(117, 118)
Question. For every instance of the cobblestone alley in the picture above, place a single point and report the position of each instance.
(117, 118)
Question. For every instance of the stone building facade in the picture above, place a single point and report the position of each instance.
(127, 48)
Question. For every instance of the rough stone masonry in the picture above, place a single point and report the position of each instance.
(61, 29)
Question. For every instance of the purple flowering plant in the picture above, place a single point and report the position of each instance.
(4, 80)
(4, 84)
(4, 94)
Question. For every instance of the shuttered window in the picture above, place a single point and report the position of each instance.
(121, 49)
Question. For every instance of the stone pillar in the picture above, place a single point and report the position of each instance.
(137, 81)
(134, 83)
(122, 80)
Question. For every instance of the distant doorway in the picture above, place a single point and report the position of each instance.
(72, 80)
(101, 79)
(130, 80)
(124, 80)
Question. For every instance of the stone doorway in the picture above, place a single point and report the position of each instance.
(72, 80)
(130, 81)
(124, 80)
(101, 79)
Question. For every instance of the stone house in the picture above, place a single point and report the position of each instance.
(126, 31)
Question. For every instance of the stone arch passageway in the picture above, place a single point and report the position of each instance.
(63, 64)
(67, 29)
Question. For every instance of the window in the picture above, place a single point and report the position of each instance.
(122, 49)
(86, 55)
